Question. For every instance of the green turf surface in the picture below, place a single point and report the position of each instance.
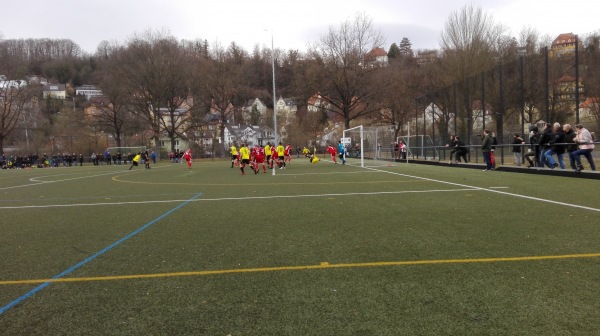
(269, 240)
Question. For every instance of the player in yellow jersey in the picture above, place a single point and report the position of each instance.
(234, 155)
(305, 152)
(268, 153)
(281, 156)
(245, 157)
(136, 160)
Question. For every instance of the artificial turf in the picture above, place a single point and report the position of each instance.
(269, 240)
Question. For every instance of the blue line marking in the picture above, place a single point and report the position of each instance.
(93, 256)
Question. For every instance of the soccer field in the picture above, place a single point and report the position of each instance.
(316, 249)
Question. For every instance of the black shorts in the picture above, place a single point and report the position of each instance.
(245, 161)
(135, 163)
(233, 157)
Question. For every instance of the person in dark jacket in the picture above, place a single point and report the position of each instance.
(486, 149)
(571, 145)
(461, 149)
(517, 142)
(557, 147)
(452, 144)
(544, 142)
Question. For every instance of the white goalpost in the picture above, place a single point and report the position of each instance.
(347, 141)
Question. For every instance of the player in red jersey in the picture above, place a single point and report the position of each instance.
(331, 150)
(258, 154)
(187, 156)
(288, 153)
(274, 159)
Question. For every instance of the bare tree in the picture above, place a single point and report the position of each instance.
(346, 78)
(470, 42)
(113, 114)
(222, 81)
(14, 97)
(147, 67)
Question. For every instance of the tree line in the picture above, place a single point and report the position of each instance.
(154, 74)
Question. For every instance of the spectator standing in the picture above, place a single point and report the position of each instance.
(452, 144)
(486, 149)
(461, 150)
(534, 138)
(403, 149)
(586, 146)
(570, 141)
(544, 142)
(517, 142)
(557, 147)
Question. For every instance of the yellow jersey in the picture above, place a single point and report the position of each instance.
(233, 150)
(245, 153)
(280, 151)
(268, 150)
(137, 158)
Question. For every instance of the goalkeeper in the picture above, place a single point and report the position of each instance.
(136, 160)
(305, 152)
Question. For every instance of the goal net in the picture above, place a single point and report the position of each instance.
(370, 142)
(420, 146)
(124, 154)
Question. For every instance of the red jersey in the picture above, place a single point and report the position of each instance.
(274, 155)
(258, 152)
(331, 150)
(288, 150)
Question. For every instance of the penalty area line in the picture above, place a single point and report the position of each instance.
(532, 198)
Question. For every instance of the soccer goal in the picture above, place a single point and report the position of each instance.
(126, 150)
(125, 153)
(370, 142)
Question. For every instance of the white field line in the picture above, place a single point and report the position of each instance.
(492, 190)
(38, 182)
(331, 173)
(232, 199)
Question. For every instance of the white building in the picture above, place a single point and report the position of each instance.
(56, 91)
(89, 91)
(254, 106)
(248, 134)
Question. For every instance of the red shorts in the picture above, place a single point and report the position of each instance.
(259, 159)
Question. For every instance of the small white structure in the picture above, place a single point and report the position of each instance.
(89, 91)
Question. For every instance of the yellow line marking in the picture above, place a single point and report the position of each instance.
(322, 265)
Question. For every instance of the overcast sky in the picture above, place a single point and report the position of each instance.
(292, 23)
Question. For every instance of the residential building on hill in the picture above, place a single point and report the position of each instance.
(286, 109)
(56, 91)
(564, 45)
(248, 134)
(89, 91)
(254, 111)
(376, 57)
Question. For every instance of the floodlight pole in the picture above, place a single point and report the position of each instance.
(274, 97)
